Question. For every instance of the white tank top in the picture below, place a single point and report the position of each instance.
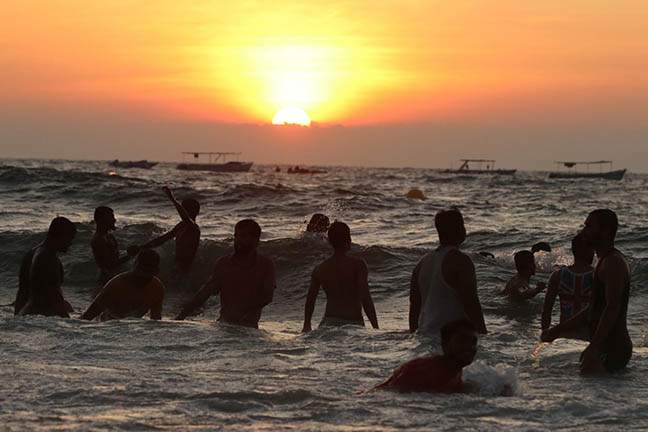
(440, 303)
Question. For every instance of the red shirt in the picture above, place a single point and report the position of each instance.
(425, 374)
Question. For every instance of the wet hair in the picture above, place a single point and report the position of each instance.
(448, 330)
(101, 212)
(339, 235)
(523, 260)
(192, 206)
(318, 223)
(607, 219)
(148, 260)
(449, 224)
(249, 225)
(61, 226)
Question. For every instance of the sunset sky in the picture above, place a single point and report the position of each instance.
(416, 83)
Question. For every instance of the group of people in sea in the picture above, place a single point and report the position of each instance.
(443, 295)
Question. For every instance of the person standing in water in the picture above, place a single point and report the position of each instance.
(104, 245)
(132, 293)
(344, 280)
(518, 288)
(245, 280)
(186, 233)
(444, 285)
(571, 284)
(41, 274)
(610, 345)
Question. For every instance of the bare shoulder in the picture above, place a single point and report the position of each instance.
(458, 259)
(615, 263)
(265, 261)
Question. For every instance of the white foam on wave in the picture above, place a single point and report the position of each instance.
(498, 380)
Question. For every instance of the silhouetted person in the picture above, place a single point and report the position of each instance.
(104, 245)
(319, 223)
(571, 284)
(41, 274)
(444, 286)
(186, 233)
(518, 287)
(131, 294)
(610, 345)
(245, 280)
(344, 280)
(438, 373)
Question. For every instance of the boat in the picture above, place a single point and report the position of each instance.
(489, 164)
(143, 164)
(299, 170)
(217, 162)
(572, 172)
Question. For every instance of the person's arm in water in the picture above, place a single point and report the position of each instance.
(615, 270)
(565, 327)
(415, 300)
(98, 305)
(311, 297)
(156, 302)
(549, 300)
(365, 295)
(212, 286)
(459, 271)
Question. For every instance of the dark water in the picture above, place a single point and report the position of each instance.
(142, 375)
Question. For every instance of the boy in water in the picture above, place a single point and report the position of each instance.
(186, 232)
(518, 287)
(104, 245)
(344, 280)
(571, 284)
(439, 373)
(132, 293)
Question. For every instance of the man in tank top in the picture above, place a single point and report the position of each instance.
(444, 286)
(571, 284)
(610, 345)
(344, 280)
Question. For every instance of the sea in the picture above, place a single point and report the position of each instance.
(137, 374)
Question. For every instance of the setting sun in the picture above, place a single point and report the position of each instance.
(291, 116)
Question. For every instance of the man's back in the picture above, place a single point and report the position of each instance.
(339, 276)
(187, 239)
(128, 295)
(22, 296)
(45, 280)
(425, 374)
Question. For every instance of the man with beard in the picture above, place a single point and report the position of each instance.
(41, 274)
(610, 345)
(104, 245)
(245, 280)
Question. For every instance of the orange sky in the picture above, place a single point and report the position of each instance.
(349, 62)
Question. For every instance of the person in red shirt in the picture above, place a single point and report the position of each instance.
(438, 373)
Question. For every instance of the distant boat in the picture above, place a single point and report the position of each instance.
(299, 170)
(483, 166)
(572, 172)
(217, 163)
(143, 164)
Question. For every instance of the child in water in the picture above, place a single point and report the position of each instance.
(518, 287)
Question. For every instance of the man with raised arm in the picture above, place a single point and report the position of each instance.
(186, 232)
(245, 280)
(104, 245)
(344, 280)
(610, 345)
(41, 274)
(131, 294)
(444, 286)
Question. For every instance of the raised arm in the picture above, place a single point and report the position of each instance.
(311, 297)
(549, 300)
(415, 299)
(181, 210)
(365, 295)
(459, 271)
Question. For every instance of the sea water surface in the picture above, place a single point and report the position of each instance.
(199, 375)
